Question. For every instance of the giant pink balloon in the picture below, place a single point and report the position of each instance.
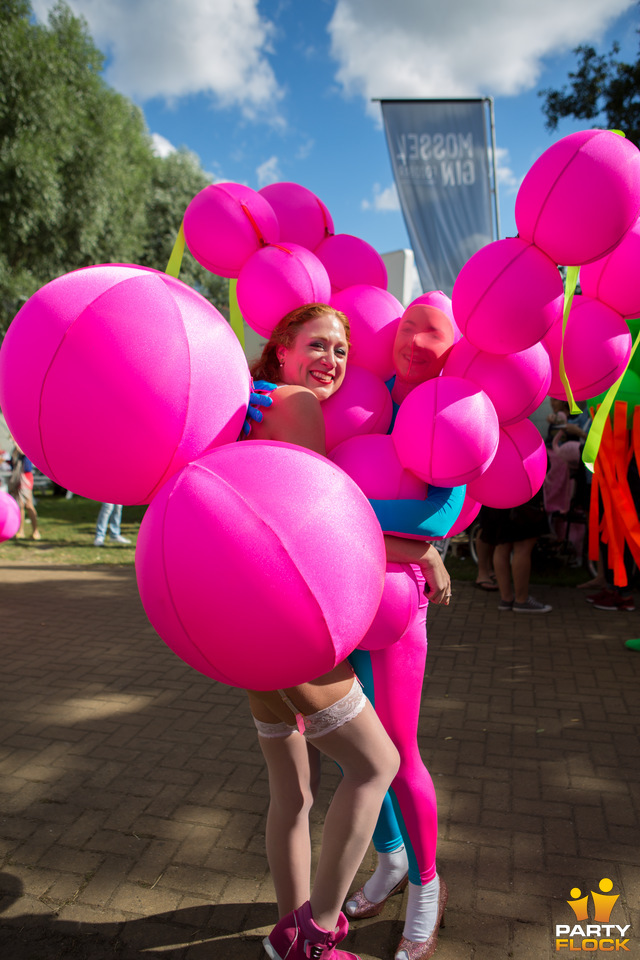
(615, 280)
(303, 217)
(9, 516)
(470, 510)
(371, 460)
(580, 197)
(225, 223)
(131, 374)
(516, 384)
(361, 405)
(350, 260)
(446, 431)
(397, 610)
(373, 315)
(507, 296)
(277, 279)
(597, 346)
(261, 564)
(517, 471)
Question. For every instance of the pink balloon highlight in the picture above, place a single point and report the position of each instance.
(516, 383)
(446, 431)
(580, 197)
(373, 315)
(260, 565)
(507, 296)
(361, 405)
(132, 374)
(303, 217)
(349, 260)
(517, 471)
(278, 279)
(9, 516)
(597, 346)
(225, 224)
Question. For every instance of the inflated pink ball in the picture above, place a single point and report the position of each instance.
(470, 510)
(597, 346)
(446, 431)
(260, 564)
(397, 610)
(517, 470)
(132, 374)
(580, 197)
(373, 315)
(615, 280)
(225, 223)
(507, 296)
(9, 516)
(303, 217)
(277, 279)
(371, 460)
(350, 260)
(436, 298)
(361, 405)
(516, 383)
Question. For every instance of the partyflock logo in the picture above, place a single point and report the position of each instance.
(596, 934)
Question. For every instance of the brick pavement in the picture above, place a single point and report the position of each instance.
(133, 796)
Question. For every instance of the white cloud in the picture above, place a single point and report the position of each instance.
(507, 179)
(424, 48)
(161, 146)
(160, 48)
(268, 172)
(383, 200)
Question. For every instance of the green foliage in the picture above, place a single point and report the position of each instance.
(79, 181)
(602, 88)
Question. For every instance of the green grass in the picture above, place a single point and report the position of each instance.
(68, 528)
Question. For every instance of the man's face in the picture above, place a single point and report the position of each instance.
(424, 336)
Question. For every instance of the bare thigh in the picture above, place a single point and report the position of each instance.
(268, 705)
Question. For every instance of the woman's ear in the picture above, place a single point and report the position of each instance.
(280, 354)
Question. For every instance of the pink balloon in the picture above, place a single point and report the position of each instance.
(507, 296)
(397, 609)
(132, 374)
(303, 217)
(225, 224)
(373, 315)
(615, 280)
(446, 431)
(517, 470)
(349, 260)
(276, 280)
(361, 405)
(470, 510)
(436, 298)
(597, 346)
(260, 564)
(371, 460)
(516, 383)
(9, 516)
(580, 197)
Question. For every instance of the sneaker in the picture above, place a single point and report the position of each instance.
(98, 542)
(531, 606)
(298, 937)
(614, 601)
(604, 596)
(505, 605)
(119, 539)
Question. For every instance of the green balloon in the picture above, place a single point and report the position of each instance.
(629, 391)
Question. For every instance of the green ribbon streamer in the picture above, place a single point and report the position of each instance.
(175, 260)
(594, 437)
(569, 290)
(235, 317)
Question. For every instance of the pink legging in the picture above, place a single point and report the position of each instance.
(398, 672)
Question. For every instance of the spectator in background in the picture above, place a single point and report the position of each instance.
(21, 489)
(109, 517)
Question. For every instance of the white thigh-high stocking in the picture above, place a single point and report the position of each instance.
(392, 868)
(422, 911)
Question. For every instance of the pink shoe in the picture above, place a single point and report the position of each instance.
(411, 950)
(358, 907)
(298, 937)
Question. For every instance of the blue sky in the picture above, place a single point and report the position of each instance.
(267, 90)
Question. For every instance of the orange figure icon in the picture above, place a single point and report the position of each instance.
(604, 904)
(579, 907)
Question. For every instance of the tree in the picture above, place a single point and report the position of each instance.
(602, 88)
